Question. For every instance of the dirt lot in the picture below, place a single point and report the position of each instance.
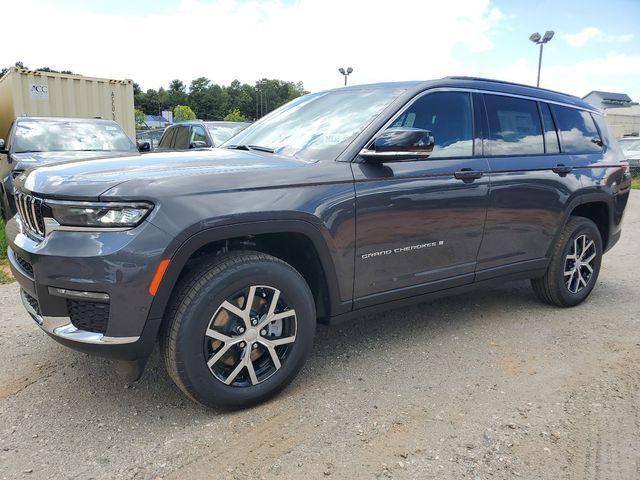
(489, 385)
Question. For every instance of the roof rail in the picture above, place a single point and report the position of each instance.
(504, 82)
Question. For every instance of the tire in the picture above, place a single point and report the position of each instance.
(194, 336)
(557, 287)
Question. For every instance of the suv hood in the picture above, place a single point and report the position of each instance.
(32, 159)
(190, 172)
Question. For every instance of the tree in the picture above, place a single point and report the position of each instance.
(140, 118)
(41, 69)
(211, 101)
(235, 116)
(182, 113)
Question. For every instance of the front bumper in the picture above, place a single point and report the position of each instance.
(62, 328)
(116, 265)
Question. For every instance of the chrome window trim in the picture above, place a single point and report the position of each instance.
(429, 91)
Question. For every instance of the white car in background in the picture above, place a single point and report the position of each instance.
(631, 149)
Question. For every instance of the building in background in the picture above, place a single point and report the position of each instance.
(605, 100)
(621, 112)
(624, 121)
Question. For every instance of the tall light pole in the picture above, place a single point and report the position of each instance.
(346, 73)
(541, 40)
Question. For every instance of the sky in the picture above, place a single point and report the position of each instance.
(596, 45)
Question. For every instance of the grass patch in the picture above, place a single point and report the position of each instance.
(5, 273)
(635, 183)
(3, 241)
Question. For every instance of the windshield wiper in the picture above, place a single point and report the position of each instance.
(251, 147)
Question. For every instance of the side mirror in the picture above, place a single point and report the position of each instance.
(198, 144)
(400, 143)
(144, 146)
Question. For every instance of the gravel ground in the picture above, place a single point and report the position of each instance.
(486, 385)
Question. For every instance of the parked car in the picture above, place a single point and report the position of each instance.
(151, 137)
(36, 141)
(198, 134)
(337, 204)
(631, 149)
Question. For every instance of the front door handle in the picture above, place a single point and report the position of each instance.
(562, 169)
(467, 175)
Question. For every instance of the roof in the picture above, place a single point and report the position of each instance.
(480, 84)
(616, 97)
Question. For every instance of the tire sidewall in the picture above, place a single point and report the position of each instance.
(190, 355)
(588, 228)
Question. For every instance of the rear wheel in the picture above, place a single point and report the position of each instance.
(574, 266)
(239, 330)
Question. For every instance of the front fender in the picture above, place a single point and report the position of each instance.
(187, 248)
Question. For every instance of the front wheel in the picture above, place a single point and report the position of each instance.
(574, 266)
(239, 330)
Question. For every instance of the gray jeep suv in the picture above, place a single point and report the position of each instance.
(338, 203)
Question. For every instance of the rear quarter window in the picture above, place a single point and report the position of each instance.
(578, 132)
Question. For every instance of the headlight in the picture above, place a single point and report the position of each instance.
(99, 214)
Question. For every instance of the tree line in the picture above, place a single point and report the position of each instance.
(209, 101)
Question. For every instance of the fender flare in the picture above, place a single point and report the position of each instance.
(184, 251)
(582, 199)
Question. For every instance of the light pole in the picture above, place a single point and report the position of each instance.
(541, 40)
(346, 73)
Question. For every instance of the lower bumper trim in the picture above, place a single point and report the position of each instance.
(62, 327)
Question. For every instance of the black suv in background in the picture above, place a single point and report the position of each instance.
(198, 134)
(338, 203)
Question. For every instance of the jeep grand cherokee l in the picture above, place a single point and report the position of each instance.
(338, 203)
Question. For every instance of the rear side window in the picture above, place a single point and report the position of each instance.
(514, 126)
(183, 137)
(550, 134)
(167, 138)
(577, 130)
(447, 115)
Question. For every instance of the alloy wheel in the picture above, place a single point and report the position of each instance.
(250, 336)
(579, 264)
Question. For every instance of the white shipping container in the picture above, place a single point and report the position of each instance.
(44, 94)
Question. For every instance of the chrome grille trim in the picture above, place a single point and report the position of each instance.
(30, 210)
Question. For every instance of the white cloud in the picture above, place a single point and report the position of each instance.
(225, 39)
(587, 34)
(615, 72)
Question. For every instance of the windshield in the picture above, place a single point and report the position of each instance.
(630, 144)
(221, 133)
(317, 126)
(59, 135)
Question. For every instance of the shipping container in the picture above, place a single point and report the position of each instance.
(27, 93)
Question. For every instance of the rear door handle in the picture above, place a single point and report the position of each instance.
(561, 169)
(467, 175)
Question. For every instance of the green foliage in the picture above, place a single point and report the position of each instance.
(3, 241)
(139, 117)
(41, 69)
(210, 101)
(182, 113)
(235, 116)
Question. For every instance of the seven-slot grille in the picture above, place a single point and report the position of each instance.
(30, 210)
